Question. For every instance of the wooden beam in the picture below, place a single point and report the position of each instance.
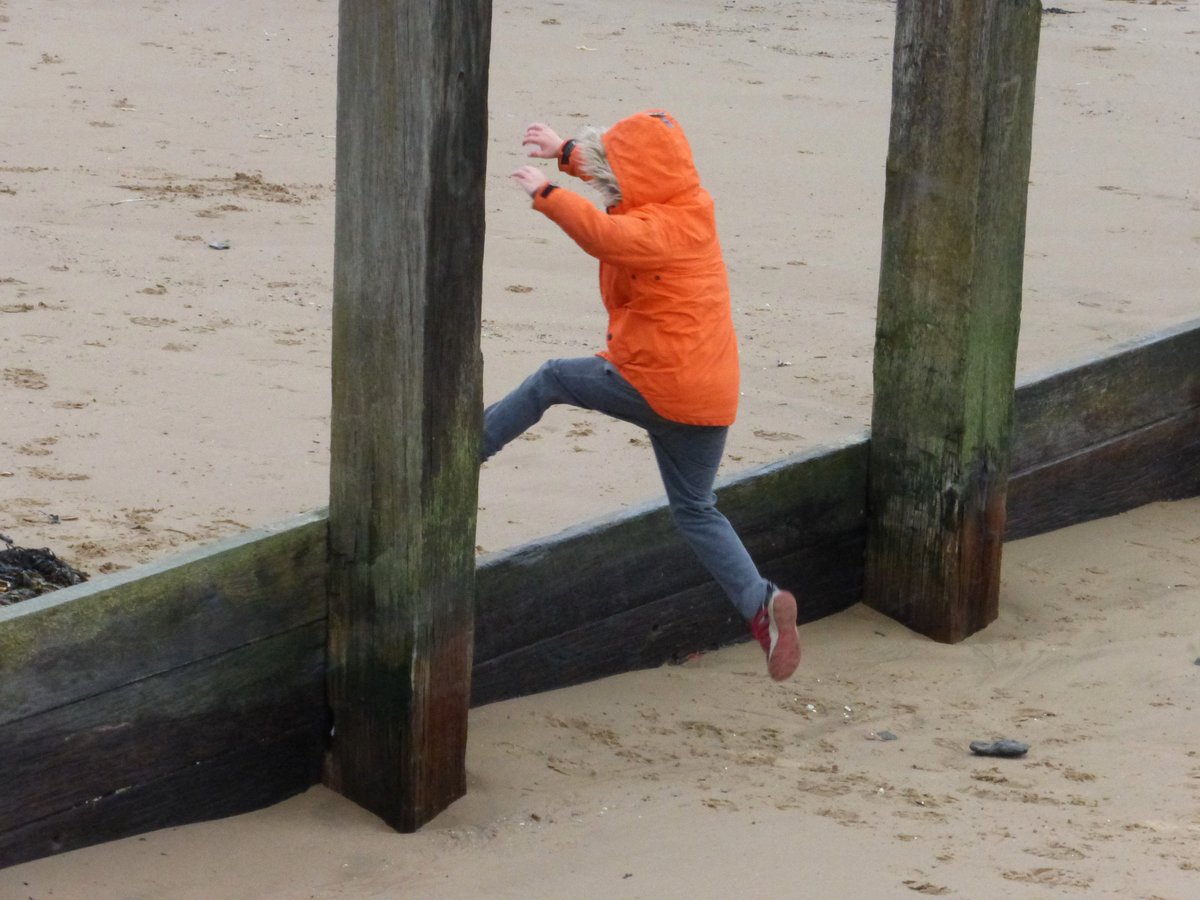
(72, 768)
(186, 689)
(625, 592)
(221, 649)
(949, 310)
(253, 775)
(408, 256)
(1110, 435)
(1155, 463)
(1137, 384)
(116, 630)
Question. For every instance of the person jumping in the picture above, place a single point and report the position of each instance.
(671, 361)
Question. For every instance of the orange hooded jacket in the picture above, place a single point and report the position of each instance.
(662, 276)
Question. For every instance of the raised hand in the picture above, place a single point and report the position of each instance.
(546, 142)
(530, 178)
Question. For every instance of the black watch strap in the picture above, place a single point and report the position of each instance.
(565, 155)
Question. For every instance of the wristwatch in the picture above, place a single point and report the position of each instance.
(565, 153)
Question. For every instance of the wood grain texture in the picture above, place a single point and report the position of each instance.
(118, 629)
(407, 398)
(1129, 387)
(249, 776)
(949, 309)
(144, 730)
(1151, 464)
(70, 762)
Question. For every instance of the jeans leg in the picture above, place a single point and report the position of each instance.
(589, 382)
(688, 457)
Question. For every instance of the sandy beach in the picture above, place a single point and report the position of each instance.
(158, 393)
(708, 780)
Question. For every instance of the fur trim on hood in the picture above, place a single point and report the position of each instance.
(593, 160)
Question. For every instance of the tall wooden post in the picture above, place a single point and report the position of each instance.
(949, 309)
(411, 140)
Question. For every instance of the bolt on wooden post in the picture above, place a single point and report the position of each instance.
(949, 310)
(408, 255)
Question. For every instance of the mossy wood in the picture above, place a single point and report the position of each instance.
(183, 690)
(194, 688)
(408, 262)
(949, 309)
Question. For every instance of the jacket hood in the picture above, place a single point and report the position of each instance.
(648, 156)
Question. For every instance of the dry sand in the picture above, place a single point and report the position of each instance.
(708, 780)
(157, 393)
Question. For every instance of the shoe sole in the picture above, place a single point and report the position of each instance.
(785, 639)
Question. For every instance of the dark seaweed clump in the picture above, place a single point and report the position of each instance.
(26, 573)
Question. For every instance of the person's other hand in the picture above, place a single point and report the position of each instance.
(546, 143)
(531, 179)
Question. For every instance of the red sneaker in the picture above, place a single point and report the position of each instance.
(775, 628)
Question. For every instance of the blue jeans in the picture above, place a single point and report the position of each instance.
(688, 458)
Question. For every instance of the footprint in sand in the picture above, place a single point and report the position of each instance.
(1055, 877)
(1057, 851)
(775, 435)
(47, 474)
(925, 887)
(39, 447)
(28, 379)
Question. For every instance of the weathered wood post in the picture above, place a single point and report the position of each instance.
(949, 309)
(411, 141)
